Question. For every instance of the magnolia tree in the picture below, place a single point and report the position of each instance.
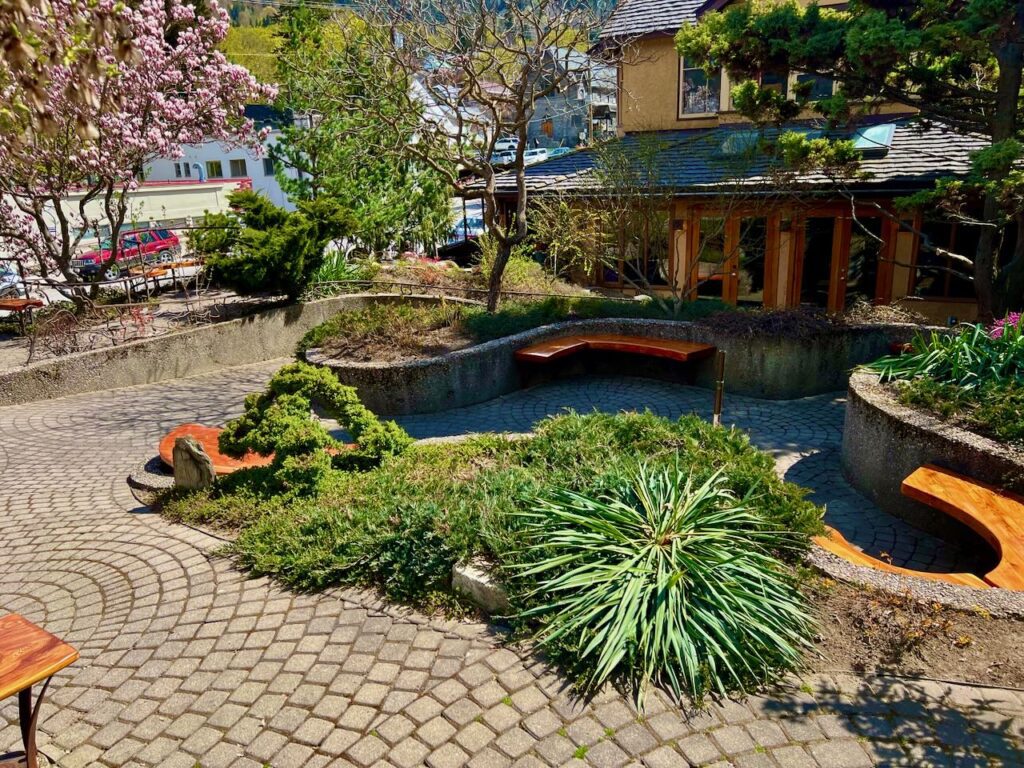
(82, 145)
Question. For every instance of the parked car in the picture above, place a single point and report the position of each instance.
(508, 144)
(142, 246)
(468, 228)
(535, 156)
(558, 152)
(503, 158)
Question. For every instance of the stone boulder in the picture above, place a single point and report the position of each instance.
(193, 468)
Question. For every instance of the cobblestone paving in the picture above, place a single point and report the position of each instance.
(185, 660)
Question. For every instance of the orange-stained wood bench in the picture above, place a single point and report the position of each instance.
(671, 349)
(207, 437)
(995, 515)
(834, 542)
(20, 306)
(28, 655)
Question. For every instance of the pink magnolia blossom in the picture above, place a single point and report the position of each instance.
(998, 328)
(174, 87)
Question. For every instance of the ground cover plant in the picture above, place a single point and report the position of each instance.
(974, 376)
(434, 329)
(400, 526)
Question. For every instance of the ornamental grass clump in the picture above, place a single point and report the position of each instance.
(664, 581)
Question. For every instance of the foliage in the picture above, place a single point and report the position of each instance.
(339, 266)
(958, 64)
(664, 581)
(969, 358)
(403, 325)
(260, 247)
(156, 81)
(995, 410)
(402, 525)
(279, 421)
(569, 232)
(255, 48)
(325, 69)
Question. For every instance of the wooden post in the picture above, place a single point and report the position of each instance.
(716, 417)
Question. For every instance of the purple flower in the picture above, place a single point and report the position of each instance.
(999, 327)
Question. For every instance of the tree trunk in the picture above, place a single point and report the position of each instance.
(497, 271)
(1009, 55)
(1009, 291)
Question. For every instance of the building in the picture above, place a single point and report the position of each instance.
(728, 228)
(214, 161)
(583, 108)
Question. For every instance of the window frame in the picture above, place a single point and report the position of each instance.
(680, 79)
(209, 169)
(231, 168)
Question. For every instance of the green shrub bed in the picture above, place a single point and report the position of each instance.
(408, 326)
(974, 377)
(401, 526)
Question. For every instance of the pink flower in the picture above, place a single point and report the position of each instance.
(999, 327)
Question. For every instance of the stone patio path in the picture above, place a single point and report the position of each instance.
(186, 661)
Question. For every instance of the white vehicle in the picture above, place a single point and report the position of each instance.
(506, 145)
(11, 285)
(503, 158)
(535, 156)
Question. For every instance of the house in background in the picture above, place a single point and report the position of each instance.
(582, 109)
(216, 162)
(726, 229)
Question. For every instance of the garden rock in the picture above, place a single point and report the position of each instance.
(192, 466)
(475, 580)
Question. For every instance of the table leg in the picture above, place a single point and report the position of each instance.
(28, 717)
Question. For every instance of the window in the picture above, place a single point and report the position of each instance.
(865, 250)
(163, 234)
(214, 169)
(819, 232)
(700, 94)
(638, 255)
(711, 257)
(268, 166)
(177, 170)
(182, 169)
(750, 259)
(937, 275)
(814, 87)
(238, 169)
(776, 80)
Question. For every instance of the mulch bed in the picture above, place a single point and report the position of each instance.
(868, 631)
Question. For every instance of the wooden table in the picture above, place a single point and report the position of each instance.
(28, 655)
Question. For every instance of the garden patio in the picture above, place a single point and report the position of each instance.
(186, 660)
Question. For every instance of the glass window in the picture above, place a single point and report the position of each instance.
(214, 169)
(777, 80)
(146, 238)
(701, 92)
(163, 234)
(817, 260)
(187, 168)
(938, 276)
(268, 166)
(865, 248)
(814, 87)
(177, 170)
(238, 169)
(752, 247)
(711, 257)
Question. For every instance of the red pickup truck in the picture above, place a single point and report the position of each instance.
(140, 246)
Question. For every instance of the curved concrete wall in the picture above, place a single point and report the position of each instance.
(769, 367)
(261, 336)
(884, 442)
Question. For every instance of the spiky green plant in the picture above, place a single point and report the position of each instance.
(968, 359)
(664, 582)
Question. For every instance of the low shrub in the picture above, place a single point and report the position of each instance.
(663, 581)
(993, 410)
(399, 325)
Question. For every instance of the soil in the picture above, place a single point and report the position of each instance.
(417, 345)
(867, 631)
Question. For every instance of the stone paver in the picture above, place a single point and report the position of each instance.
(185, 659)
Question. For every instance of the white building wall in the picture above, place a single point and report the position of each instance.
(198, 158)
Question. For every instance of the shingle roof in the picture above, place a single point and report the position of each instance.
(633, 18)
(694, 162)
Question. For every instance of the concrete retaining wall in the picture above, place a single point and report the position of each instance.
(775, 368)
(884, 442)
(262, 336)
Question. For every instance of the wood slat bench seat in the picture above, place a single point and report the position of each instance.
(834, 542)
(671, 349)
(995, 515)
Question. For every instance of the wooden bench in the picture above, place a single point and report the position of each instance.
(834, 542)
(671, 349)
(208, 437)
(21, 307)
(995, 515)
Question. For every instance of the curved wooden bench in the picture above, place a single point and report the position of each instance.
(834, 542)
(671, 349)
(207, 437)
(995, 515)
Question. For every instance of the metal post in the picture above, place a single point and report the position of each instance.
(716, 417)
